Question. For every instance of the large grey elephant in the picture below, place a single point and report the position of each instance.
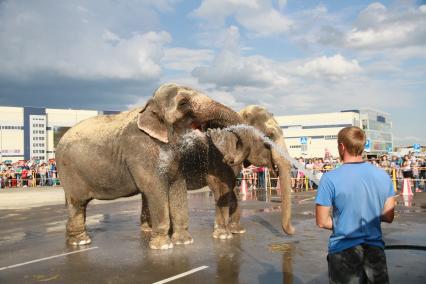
(139, 150)
(260, 118)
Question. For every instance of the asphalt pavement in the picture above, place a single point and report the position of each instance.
(33, 247)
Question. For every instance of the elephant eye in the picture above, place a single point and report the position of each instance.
(157, 115)
(239, 143)
(183, 104)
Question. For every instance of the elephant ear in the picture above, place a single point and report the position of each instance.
(150, 122)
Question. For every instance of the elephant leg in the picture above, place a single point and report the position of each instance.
(146, 224)
(178, 202)
(76, 230)
(221, 196)
(235, 213)
(157, 198)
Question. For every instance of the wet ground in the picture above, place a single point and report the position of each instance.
(32, 244)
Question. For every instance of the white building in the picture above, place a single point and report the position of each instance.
(33, 133)
(315, 135)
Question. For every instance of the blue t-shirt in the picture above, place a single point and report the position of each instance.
(357, 192)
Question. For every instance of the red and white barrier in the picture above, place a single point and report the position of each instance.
(244, 187)
(408, 200)
(278, 187)
(406, 187)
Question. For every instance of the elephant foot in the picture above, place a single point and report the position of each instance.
(160, 242)
(79, 240)
(222, 234)
(236, 228)
(182, 238)
(145, 227)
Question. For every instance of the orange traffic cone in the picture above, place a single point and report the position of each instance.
(406, 187)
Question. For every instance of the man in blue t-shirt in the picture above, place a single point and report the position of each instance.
(361, 197)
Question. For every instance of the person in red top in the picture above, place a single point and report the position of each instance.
(24, 177)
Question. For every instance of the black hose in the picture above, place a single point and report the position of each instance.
(408, 247)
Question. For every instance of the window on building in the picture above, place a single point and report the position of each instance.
(381, 119)
(330, 137)
(364, 124)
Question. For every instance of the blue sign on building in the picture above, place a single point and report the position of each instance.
(416, 148)
(367, 146)
(303, 140)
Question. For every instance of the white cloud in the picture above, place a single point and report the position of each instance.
(282, 4)
(378, 27)
(333, 67)
(74, 42)
(185, 59)
(230, 69)
(257, 16)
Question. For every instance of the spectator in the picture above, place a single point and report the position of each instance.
(406, 167)
(261, 175)
(416, 175)
(310, 167)
(18, 174)
(422, 163)
(385, 164)
(300, 176)
(24, 177)
(293, 173)
(42, 171)
(32, 178)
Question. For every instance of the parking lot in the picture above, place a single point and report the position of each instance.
(33, 248)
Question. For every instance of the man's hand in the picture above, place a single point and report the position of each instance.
(323, 217)
(388, 210)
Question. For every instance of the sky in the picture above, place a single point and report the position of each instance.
(292, 57)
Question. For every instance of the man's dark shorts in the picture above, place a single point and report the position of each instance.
(360, 264)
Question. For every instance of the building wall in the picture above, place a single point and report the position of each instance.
(58, 121)
(25, 130)
(29, 133)
(11, 133)
(319, 129)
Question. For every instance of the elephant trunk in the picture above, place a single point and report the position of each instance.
(213, 114)
(284, 167)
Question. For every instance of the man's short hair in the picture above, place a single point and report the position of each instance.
(353, 138)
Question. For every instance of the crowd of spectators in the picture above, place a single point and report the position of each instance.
(408, 166)
(28, 174)
(36, 173)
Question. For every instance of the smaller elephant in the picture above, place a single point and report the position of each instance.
(214, 158)
(261, 119)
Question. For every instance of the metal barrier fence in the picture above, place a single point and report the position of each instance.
(254, 180)
(271, 185)
(13, 182)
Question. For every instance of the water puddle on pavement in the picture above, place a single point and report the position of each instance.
(12, 238)
(281, 247)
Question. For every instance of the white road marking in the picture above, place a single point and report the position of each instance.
(45, 258)
(181, 275)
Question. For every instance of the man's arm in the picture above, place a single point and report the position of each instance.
(323, 217)
(388, 210)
